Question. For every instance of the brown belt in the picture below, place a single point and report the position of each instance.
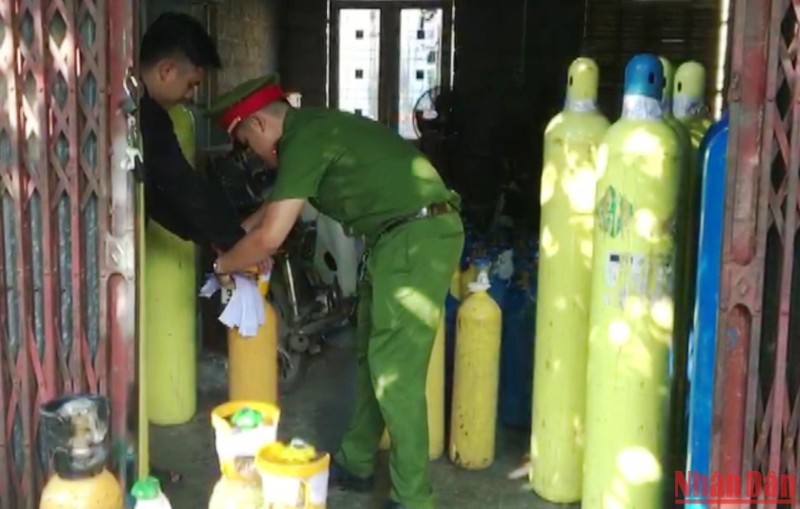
(432, 210)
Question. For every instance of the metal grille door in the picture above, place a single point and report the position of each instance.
(66, 224)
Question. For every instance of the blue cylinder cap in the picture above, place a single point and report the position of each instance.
(644, 75)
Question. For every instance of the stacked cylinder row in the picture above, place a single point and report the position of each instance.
(619, 215)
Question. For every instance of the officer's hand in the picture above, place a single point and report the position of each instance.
(265, 267)
(225, 280)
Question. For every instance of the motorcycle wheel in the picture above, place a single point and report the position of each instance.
(291, 369)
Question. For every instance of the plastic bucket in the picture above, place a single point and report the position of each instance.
(237, 447)
(293, 476)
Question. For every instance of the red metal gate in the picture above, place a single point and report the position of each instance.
(66, 224)
(758, 384)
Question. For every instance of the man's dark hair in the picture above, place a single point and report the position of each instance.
(174, 34)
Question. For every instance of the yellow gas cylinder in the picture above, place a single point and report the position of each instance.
(476, 377)
(631, 318)
(241, 428)
(455, 285)
(253, 361)
(74, 430)
(666, 106)
(689, 102)
(571, 141)
(466, 277)
(170, 329)
(434, 391)
(100, 491)
(293, 476)
(690, 111)
(688, 186)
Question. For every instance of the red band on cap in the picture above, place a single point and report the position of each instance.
(249, 105)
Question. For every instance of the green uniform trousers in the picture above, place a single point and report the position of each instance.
(400, 303)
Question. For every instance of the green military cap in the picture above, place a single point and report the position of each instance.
(245, 99)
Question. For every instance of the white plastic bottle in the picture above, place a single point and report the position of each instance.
(148, 494)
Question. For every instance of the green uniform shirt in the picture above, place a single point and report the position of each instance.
(354, 170)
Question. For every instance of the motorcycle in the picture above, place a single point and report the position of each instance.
(315, 273)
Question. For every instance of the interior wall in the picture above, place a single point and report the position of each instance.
(247, 36)
(248, 39)
(509, 72)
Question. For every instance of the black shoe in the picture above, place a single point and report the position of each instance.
(344, 480)
(391, 504)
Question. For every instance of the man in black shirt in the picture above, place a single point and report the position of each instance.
(175, 53)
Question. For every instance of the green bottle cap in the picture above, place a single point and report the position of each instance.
(146, 489)
(247, 418)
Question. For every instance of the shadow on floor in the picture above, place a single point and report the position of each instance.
(318, 412)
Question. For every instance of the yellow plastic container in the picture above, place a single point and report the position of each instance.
(236, 449)
(253, 361)
(293, 476)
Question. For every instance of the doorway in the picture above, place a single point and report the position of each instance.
(388, 58)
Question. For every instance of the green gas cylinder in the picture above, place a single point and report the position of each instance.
(567, 199)
(631, 318)
(171, 292)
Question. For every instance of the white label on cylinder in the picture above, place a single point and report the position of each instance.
(687, 106)
(664, 277)
(666, 105)
(641, 107)
(612, 276)
(640, 275)
(580, 105)
(244, 443)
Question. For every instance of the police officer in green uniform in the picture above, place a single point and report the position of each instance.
(377, 185)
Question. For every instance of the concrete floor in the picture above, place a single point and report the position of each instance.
(318, 412)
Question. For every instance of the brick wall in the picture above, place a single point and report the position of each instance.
(247, 37)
